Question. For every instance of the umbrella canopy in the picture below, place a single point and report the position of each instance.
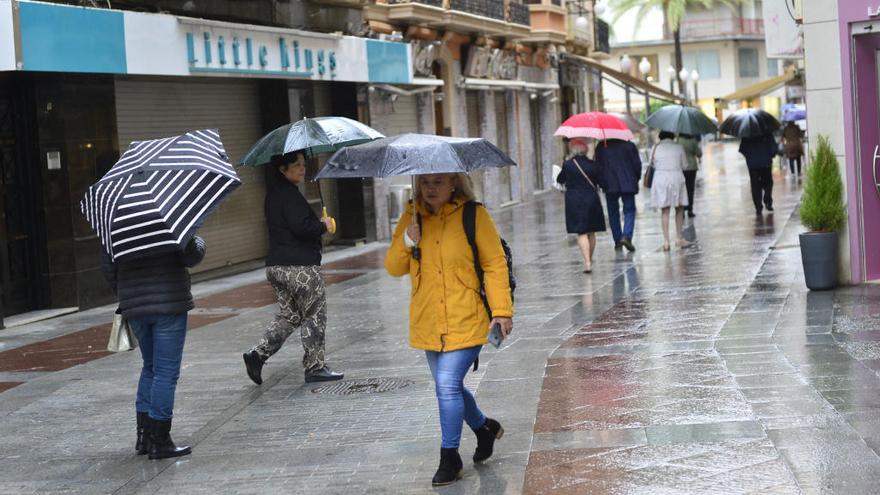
(414, 154)
(596, 125)
(750, 122)
(794, 114)
(631, 122)
(312, 136)
(159, 193)
(681, 120)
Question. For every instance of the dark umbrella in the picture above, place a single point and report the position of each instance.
(680, 119)
(159, 193)
(414, 154)
(312, 136)
(750, 122)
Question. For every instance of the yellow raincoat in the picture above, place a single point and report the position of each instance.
(445, 311)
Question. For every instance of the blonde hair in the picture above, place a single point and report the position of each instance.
(461, 183)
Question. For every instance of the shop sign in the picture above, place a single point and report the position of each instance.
(7, 40)
(486, 63)
(782, 34)
(873, 12)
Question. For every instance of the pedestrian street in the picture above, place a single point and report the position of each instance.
(710, 369)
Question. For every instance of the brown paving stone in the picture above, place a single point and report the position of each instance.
(4, 386)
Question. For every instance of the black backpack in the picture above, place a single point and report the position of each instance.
(469, 218)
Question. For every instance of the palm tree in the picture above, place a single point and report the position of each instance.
(673, 11)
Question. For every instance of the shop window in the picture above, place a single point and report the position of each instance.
(772, 67)
(748, 62)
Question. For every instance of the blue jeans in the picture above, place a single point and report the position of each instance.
(160, 339)
(629, 215)
(456, 402)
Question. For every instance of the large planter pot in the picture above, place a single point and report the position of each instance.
(819, 255)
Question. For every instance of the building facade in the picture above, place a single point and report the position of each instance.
(841, 49)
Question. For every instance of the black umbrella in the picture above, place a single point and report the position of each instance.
(414, 154)
(159, 193)
(750, 122)
(680, 119)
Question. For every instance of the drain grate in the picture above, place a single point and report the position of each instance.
(365, 386)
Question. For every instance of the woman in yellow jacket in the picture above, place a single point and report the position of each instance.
(448, 319)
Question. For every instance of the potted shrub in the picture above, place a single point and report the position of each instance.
(823, 214)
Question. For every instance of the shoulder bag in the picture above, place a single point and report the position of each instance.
(122, 337)
(649, 172)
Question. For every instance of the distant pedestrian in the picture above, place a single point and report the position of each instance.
(447, 318)
(668, 190)
(693, 152)
(793, 146)
(293, 267)
(621, 170)
(582, 179)
(759, 153)
(154, 297)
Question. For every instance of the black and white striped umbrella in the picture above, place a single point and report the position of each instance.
(159, 193)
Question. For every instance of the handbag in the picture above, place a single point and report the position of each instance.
(122, 337)
(649, 172)
(555, 170)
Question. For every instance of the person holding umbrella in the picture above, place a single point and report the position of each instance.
(293, 268)
(149, 242)
(793, 145)
(584, 217)
(668, 189)
(755, 127)
(447, 318)
(621, 169)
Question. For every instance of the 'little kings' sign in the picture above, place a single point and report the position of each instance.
(264, 53)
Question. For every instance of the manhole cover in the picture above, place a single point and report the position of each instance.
(365, 386)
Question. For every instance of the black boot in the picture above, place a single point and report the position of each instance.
(450, 468)
(161, 445)
(142, 444)
(253, 363)
(486, 436)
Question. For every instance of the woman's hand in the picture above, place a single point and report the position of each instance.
(414, 232)
(506, 325)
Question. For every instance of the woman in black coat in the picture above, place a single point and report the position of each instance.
(582, 179)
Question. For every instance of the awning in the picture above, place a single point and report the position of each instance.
(476, 83)
(760, 88)
(625, 78)
(427, 81)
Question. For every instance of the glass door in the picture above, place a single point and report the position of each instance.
(867, 74)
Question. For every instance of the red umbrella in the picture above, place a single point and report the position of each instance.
(596, 125)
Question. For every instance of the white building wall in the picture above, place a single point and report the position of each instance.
(824, 95)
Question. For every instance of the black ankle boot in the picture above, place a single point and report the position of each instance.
(161, 445)
(450, 468)
(486, 436)
(142, 444)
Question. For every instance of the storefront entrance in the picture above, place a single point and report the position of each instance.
(866, 62)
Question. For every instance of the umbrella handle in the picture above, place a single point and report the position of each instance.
(416, 250)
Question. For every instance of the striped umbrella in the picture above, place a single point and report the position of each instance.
(159, 193)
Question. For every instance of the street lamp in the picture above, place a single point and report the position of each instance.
(670, 71)
(581, 23)
(695, 76)
(644, 70)
(599, 9)
(626, 65)
(684, 74)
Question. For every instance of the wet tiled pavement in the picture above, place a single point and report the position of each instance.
(705, 370)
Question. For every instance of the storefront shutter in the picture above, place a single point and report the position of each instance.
(404, 118)
(148, 108)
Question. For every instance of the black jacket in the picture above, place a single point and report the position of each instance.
(294, 229)
(157, 285)
(621, 164)
(759, 151)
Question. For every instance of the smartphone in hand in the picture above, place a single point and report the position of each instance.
(495, 335)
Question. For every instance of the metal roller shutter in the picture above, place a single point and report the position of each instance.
(148, 108)
(404, 118)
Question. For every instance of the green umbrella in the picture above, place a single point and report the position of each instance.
(681, 120)
(311, 136)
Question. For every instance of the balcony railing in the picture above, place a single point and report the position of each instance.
(519, 14)
(602, 37)
(726, 26)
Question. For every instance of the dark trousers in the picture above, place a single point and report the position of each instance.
(792, 161)
(690, 181)
(612, 202)
(762, 185)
